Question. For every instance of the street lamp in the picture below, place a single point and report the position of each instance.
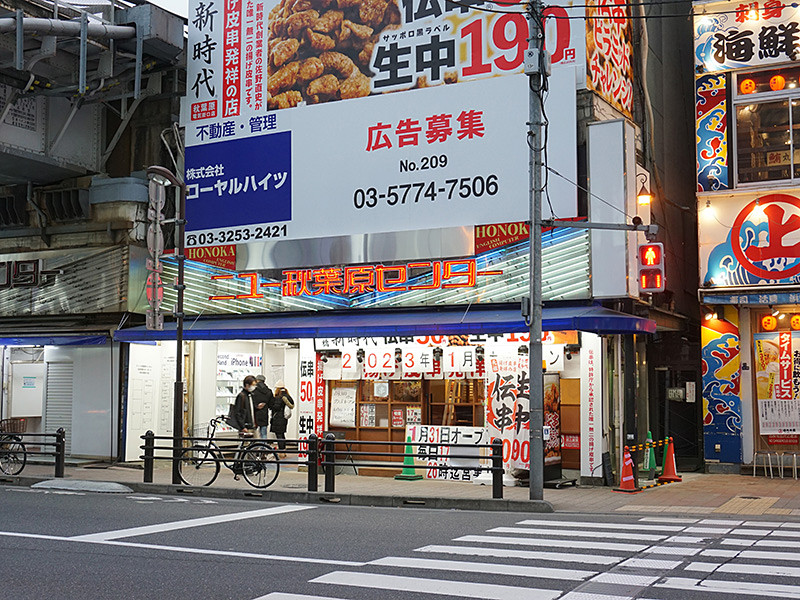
(165, 177)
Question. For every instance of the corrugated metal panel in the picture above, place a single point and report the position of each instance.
(58, 406)
(565, 268)
(92, 282)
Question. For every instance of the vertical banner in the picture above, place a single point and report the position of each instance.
(319, 397)
(778, 407)
(306, 403)
(507, 406)
(591, 405)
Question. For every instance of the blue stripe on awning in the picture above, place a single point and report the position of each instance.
(596, 319)
(54, 340)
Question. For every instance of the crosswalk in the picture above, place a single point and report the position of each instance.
(648, 558)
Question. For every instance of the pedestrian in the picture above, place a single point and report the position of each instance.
(282, 405)
(262, 399)
(243, 410)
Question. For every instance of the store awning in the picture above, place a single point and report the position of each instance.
(596, 319)
(53, 340)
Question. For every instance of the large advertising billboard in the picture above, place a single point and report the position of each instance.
(310, 118)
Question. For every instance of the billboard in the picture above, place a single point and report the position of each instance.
(735, 35)
(310, 118)
(609, 52)
(750, 239)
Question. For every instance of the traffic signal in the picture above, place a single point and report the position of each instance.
(651, 267)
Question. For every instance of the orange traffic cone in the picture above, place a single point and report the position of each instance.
(628, 483)
(669, 473)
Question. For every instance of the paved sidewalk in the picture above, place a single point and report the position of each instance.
(697, 494)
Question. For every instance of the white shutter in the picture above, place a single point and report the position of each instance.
(58, 405)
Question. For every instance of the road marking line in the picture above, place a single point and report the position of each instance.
(685, 539)
(667, 520)
(708, 530)
(199, 522)
(762, 569)
(490, 539)
(597, 559)
(743, 588)
(753, 532)
(721, 553)
(445, 587)
(762, 524)
(475, 567)
(719, 522)
(590, 596)
(672, 550)
(624, 579)
(737, 542)
(644, 537)
(773, 543)
(631, 526)
(705, 567)
(299, 559)
(764, 555)
(286, 596)
(784, 533)
(646, 563)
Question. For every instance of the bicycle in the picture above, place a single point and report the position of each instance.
(257, 461)
(13, 455)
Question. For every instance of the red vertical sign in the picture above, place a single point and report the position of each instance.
(231, 58)
(784, 391)
(319, 398)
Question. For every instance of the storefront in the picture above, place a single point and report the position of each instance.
(748, 205)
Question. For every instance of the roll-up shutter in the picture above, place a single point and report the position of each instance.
(58, 406)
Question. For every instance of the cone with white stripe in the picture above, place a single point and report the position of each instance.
(628, 483)
(670, 473)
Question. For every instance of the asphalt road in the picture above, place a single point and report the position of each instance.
(87, 545)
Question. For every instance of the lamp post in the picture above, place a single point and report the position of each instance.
(165, 177)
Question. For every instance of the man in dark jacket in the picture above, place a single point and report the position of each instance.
(244, 409)
(262, 400)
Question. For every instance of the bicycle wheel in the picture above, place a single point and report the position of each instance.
(12, 455)
(198, 466)
(260, 465)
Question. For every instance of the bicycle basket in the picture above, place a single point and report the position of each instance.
(13, 425)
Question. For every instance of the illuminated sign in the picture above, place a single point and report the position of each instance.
(768, 323)
(651, 267)
(361, 279)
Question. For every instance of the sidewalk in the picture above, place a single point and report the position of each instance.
(698, 495)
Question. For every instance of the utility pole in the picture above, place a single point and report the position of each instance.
(536, 66)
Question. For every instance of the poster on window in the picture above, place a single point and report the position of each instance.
(507, 396)
(777, 375)
(432, 443)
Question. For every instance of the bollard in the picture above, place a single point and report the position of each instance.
(328, 457)
(61, 449)
(313, 457)
(497, 468)
(149, 452)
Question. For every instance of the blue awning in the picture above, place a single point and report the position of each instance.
(54, 340)
(327, 324)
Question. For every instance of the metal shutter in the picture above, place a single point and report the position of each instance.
(58, 406)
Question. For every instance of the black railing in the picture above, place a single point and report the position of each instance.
(43, 441)
(324, 453)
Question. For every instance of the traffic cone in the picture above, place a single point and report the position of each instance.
(628, 483)
(409, 472)
(670, 473)
(649, 462)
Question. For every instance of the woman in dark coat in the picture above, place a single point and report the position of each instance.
(281, 400)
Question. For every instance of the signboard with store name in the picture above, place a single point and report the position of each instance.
(750, 239)
(367, 117)
(735, 35)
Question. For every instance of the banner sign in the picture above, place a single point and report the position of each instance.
(427, 440)
(777, 377)
(312, 119)
(609, 52)
(735, 35)
(752, 240)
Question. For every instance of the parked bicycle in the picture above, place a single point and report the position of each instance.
(13, 455)
(256, 461)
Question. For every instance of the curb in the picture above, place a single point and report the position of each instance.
(482, 504)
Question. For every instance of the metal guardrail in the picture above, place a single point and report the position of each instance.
(324, 453)
(58, 446)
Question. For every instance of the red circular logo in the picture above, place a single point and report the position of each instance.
(781, 224)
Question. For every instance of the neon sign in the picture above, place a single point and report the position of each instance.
(363, 279)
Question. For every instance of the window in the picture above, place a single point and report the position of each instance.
(768, 125)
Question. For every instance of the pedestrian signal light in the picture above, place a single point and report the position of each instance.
(651, 267)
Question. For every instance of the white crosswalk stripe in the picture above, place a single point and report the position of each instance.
(652, 558)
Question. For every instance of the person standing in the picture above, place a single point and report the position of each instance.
(262, 400)
(243, 408)
(282, 405)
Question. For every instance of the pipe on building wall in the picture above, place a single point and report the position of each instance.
(57, 27)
